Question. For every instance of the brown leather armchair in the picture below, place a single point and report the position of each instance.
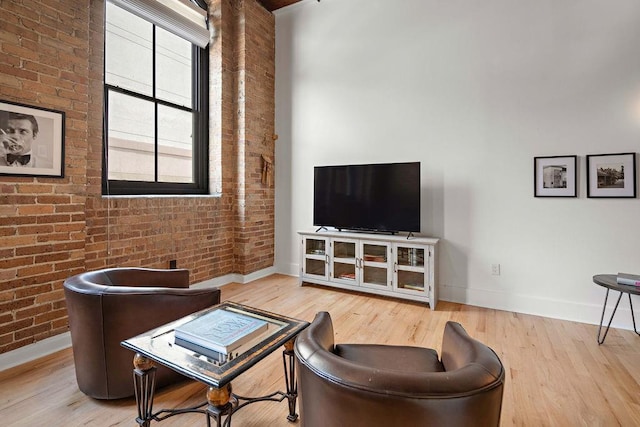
(383, 385)
(108, 306)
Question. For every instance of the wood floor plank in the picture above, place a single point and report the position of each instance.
(556, 373)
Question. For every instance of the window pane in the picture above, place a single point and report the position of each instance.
(128, 52)
(151, 76)
(130, 138)
(175, 145)
(173, 68)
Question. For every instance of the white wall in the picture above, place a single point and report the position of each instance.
(473, 90)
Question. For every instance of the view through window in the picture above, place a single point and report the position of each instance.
(155, 136)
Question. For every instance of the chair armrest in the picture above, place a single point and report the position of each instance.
(459, 350)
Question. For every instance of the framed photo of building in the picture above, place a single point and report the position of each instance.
(611, 175)
(31, 140)
(555, 176)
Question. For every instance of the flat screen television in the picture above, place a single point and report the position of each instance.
(382, 197)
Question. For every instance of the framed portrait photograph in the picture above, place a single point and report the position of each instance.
(555, 176)
(31, 141)
(611, 175)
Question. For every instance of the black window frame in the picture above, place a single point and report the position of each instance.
(200, 109)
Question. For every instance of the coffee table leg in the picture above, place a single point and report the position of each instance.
(633, 317)
(219, 405)
(144, 381)
(601, 340)
(288, 359)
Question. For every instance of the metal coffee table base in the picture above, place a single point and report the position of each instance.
(221, 402)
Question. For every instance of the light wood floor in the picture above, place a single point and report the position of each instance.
(556, 374)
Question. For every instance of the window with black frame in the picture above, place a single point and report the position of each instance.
(156, 118)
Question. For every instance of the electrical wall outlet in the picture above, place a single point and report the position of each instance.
(495, 269)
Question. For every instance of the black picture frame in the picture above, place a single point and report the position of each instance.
(555, 176)
(611, 175)
(31, 140)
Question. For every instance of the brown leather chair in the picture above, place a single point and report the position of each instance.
(108, 306)
(383, 385)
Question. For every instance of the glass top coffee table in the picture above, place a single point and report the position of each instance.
(158, 346)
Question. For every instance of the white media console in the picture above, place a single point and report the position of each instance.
(389, 265)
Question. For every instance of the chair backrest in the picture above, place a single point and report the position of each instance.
(105, 308)
(338, 392)
(102, 281)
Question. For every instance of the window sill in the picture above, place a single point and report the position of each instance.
(160, 196)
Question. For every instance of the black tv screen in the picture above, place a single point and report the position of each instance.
(373, 197)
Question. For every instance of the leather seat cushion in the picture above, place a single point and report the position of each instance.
(398, 358)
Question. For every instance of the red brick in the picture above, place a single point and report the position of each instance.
(8, 231)
(6, 253)
(5, 318)
(17, 220)
(35, 209)
(22, 74)
(16, 241)
(17, 262)
(60, 325)
(35, 229)
(49, 258)
(51, 219)
(15, 305)
(7, 274)
(31, 331)
(19, 324)
(34, 188)
(50, 297)
(34, 270)
(72, 226)
(33, 311)
(40, 69)
(50, 316)
(53, 199)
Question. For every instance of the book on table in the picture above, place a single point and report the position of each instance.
(218, 333)
(628, 279)
(216, 356)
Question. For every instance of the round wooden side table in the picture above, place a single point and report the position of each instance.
(609, 281)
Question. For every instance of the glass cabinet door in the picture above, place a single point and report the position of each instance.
(344, 261)
(374, 263)
(315, 257)
(410, 269)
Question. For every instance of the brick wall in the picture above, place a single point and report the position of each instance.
(43, 62)
(254, 237)
(51, 56)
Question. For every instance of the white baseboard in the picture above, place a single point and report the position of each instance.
(50, 345)
(33, 351)
(235, 278)
(291, 270)
(546, 307)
